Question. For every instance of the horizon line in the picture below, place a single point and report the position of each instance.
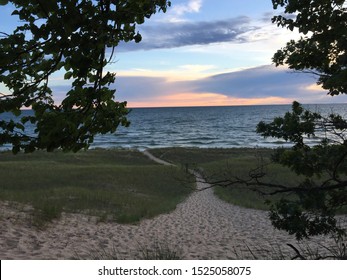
(204, 106)
(239, 105)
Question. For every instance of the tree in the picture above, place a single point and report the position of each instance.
(322, 51)
(314, 202)
(78, 39)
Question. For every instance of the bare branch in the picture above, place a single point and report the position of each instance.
(4, 34)
(4, 95)
(255, 184)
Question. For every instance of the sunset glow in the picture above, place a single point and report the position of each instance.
(206, 99)
(204, 54)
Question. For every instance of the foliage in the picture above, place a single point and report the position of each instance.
(323, 189)
(217, 164)
(322, 48)
(321, 51)
(76, 38)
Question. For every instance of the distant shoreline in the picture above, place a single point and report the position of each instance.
(204, 127)
(240, 105)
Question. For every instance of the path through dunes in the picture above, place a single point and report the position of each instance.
(201, 227)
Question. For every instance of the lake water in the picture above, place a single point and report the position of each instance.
(207, 127)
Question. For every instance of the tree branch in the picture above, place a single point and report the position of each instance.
(4, 34)
(254, 184)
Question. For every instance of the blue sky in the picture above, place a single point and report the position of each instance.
(208, 52)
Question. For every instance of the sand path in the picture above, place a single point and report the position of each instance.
(201, 227)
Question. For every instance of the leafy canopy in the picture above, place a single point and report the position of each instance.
(76, 37)
(323, 190)
(322, 48)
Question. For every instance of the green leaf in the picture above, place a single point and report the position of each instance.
(73, 35)
(68, 75)
(16, 112)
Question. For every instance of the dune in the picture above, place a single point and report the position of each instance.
(201, 227)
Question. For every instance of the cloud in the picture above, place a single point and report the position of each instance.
(237, 30)
(257, 82)
(197, 68)
(177, 12)
(140, 88)
(253, 86)
(193, 6)
(179, 34)
(259, 85)
(204, 99)
(267, 17)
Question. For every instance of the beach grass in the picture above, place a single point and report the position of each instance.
(217, 163)
(115, 185)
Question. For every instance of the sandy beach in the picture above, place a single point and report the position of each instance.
(201, 227)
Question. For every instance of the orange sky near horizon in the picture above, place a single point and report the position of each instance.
(206, 99)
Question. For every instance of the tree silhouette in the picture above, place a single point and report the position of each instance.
(321, 51)
(314, 202)
(78, 39)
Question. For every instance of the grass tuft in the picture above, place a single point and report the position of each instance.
(115, 185)
(158, 251)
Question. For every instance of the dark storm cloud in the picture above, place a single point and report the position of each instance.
(179, 34)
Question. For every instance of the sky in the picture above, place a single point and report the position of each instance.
(208, 53)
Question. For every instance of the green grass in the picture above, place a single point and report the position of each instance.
(216, 164)
(118, 185)
(193, 156)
